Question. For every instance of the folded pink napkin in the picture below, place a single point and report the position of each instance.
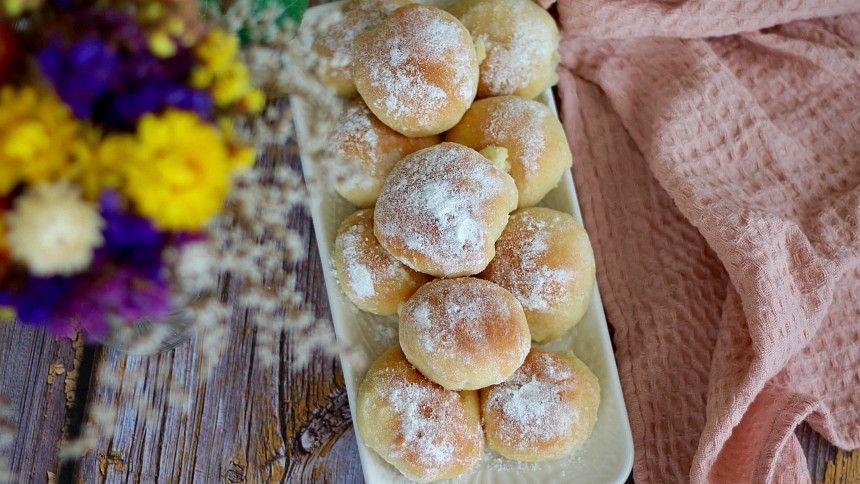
(717, 158)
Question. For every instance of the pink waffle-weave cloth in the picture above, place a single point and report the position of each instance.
(717, 159)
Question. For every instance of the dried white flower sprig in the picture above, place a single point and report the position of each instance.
(250, 240)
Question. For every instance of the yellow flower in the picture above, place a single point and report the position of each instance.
(40, 140)
(104, 168)
(17, 7)
(4, 249)
(180, 170)
(7, 313)
(220, 71)
(218, 50)
(52, 230)
(161, 45)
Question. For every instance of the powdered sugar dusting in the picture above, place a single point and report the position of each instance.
(420, 65)
(437, 202)
(519, 51)
(359, 277)
(368, 272)
(521, 267)
(354, 140)
(433, 427)
(353, 129)
(533, 404)
(466, 325)
(519, 122)
(360, 16)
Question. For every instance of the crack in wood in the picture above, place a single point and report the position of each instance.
(111, 459)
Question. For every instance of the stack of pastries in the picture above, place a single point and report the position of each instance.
(449, 238)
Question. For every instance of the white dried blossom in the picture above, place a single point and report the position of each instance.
(194, 267)
(52, 230)
(251, 240)
(101, 421)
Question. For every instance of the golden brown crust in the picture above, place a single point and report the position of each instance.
(545, 411)
(372, 279)
(426, 432)
(442, 208)
(418, 72)
(544, 258)
(335, 46)
(537, 146)
(521, 41)
(369, 150)
(464, 333)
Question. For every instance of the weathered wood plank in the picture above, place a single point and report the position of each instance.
(248, 424)
(37, 372)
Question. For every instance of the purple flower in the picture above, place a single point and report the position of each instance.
(39, 300)
(126, 280)
(107, 73)
(80, 73)
(125, 294)
(129, 240)
(126, 107)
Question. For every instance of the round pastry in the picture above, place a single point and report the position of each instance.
(425, 431)
(464, 333)
(544, 411)
(369, 150)
(544, 259)
(521, 41)
(537, 146)
(418, 72)
(372, 279)
(442, 208)
(335, 46)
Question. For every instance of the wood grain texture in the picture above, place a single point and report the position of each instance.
(249, 424)
(35, 373)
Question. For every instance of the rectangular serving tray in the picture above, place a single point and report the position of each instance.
(607, 456)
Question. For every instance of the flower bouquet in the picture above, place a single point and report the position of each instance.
(117, 150)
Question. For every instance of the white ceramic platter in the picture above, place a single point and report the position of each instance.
(606, 457)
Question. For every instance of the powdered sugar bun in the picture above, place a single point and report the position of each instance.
(418, 72)
(370, 150)
(372, 279)
(537, 146)
(544, 259)
(335, 46)
(425, 431)
(442, 208)
(544, 411)
(464, 333)
(521, 41)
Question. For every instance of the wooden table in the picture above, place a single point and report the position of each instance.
(249, 424)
